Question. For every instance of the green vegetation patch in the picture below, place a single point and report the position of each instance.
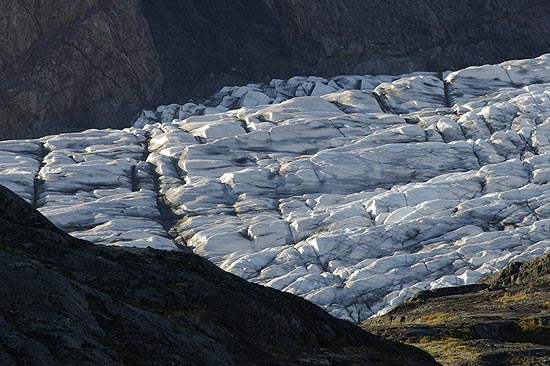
(448, 351)
(529, 330)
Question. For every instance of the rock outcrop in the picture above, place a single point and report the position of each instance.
(505, 320)
(68, 302)
(92, 63)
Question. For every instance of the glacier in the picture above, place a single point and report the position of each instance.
(354, 192)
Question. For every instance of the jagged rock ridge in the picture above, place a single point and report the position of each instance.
(355, 200)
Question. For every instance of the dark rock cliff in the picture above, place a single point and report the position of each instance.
(64, 301)
(73, 65)
(96, 63)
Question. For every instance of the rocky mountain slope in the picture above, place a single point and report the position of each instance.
(91, 63)
(355, 200)
(71, 65)
(502, 321)
(68, 302)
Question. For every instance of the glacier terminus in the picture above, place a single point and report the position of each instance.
(354, 192)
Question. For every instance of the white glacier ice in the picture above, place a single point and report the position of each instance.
(353, 192)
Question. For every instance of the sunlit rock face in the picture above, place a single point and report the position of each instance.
(354, 192)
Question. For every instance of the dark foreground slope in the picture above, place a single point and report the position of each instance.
(502, 322)
(66, 66)
(67, 302)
